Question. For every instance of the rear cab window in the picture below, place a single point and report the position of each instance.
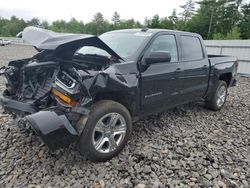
(191, 48)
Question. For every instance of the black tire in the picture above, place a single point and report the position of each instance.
(98, 111)
(211, 102)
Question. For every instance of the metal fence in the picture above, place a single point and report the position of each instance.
(237, 48)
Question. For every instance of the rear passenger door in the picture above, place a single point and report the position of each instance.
(193, 73)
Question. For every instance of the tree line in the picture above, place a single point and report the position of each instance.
(213, 19)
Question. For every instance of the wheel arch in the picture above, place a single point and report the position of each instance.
(227, 77)
(124, 98)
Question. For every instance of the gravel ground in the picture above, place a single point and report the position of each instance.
(188, 146)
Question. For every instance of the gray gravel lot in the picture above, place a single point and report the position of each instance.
(188, 146)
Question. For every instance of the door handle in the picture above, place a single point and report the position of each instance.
(178, 70)
(205, 66)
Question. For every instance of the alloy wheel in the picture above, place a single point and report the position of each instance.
(221, 95)
(109, 132)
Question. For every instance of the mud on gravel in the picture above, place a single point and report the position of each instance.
(188, 146)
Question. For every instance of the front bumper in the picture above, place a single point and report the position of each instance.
(55, 130)
(17, 107)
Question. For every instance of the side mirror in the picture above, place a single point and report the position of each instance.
(157, 57)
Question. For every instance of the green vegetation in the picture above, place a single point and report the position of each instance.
(213, 19)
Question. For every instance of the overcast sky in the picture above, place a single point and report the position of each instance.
(84, 10)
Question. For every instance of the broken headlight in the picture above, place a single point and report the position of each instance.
(66, 89)
(67, 83)
(66, 79)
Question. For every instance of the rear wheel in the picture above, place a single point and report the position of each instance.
(106, 132)
(218, 97)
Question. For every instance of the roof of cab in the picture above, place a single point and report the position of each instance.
(153, 31)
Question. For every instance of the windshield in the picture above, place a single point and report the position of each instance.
(124, 44)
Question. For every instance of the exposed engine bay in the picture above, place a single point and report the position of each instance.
(55, 82)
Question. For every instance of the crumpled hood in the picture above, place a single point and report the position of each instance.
(43, 39)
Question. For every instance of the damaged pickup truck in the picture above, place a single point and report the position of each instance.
(90, 89)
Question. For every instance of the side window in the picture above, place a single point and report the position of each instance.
(165, 43)
(192, 49)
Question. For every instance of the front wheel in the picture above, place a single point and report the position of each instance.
(218, 97)
(106, 132)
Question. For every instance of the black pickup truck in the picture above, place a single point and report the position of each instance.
(90, 89)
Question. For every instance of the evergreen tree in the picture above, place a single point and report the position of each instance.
(155, 22)
(215, 16)
(244, 25)
(188, 10)
(116, 19)
(45, 24)
(34, 22)
(99, 23)
(173, 18)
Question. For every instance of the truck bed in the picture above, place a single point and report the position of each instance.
(217, 59)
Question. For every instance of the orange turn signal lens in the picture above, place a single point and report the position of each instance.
(63, 97)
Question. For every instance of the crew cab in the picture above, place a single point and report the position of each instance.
(90, 89)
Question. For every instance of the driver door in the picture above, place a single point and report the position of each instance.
(158, 83)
